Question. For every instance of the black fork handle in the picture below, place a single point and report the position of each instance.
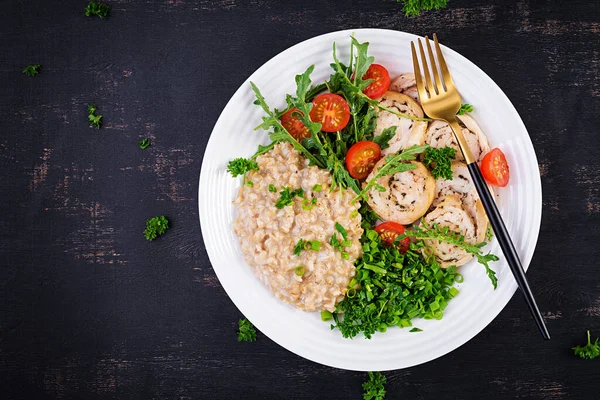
(507, 246)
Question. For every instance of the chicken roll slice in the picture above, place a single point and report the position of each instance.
(461, 185)
(450, 214)
(439, 134)
(407, 194)
(405, 84)
(408, 132)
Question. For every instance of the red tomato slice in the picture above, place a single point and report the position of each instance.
(388, 231)
(331, 111)
(361, 158)
(294, 126)
(381, 84)
(494, 168)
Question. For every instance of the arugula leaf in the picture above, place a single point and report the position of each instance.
(156, 226)
(385, 136)
(95, 120)
(589, 351)
(374, 388)
(240, 166)
(263, 149)
(393, 165)
(444, 234)
(97, 8)
(441, 159)
(144, 143)
(413, 8)
(465, 108)
(32, 70)
(246, 332)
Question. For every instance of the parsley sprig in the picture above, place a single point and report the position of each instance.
(413, 8)
(240, 166)
(246, 332)
(97, 8)
(443, 234)
(156, 226)
(374, 388)
(287, 196)
(32, 70)
(590, 350)
(440, 161)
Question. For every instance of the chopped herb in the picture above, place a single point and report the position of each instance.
(413, 8)
(326, 316)
(97, 8)
(287, 197)
(156, 226)
(417, 329)
(95, 120)
(299, 271)
(385, 136)
(489, 233)
(241, 166)
(465, 108)
(440, 161)
(306, 245)
(32, 70)
(309, 204)
(589, 351)
(374, 388)
(249, 183)
(272, 188)
(144, 143)
(317, 188)
(354, 214)
(246, 332)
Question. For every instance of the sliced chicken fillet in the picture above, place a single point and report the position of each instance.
(439, 134)
(407, 197)
(408, 132)
(450, 214)
(462, 186)
(405, 84)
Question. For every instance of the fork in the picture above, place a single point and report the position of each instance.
(441, 100)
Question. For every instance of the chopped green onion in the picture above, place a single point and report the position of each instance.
(351, 293)
(308, 204)
(272, 188)
(416, 330)
(315, 245)
(317, 188)
(250, 183)
(299, 271)
(345, 255)
(453, 291)
(354, 214)
(326, 316)
(347, 243)
(459, 278)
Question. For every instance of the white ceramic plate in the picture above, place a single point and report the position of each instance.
(304, 333)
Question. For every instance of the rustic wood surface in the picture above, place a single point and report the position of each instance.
(90, 309)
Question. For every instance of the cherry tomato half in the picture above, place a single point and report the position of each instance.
(494, 168)
(294, 126)
(381, 84)
(331, 111)
(361, 158)
(388, 231)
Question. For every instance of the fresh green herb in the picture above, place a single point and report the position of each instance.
(354, 214)
(32, 70)
(368, 217)
(156, 226)
(263, 149)
(465, 108)
(249, 183)
(95, 120)
(489, 233)
(440, 161)
(589, 351)
(246, 332)
(391, 288)
(306, 245)
(443, 234)
(97, 8)
(417, 329)
(309, 204)
(287, 197)
(144, 143)
(413, 8)
(240, 166)
(385, 136)
(374, 388)
(317, 188)
(326, 316)
(393, 165)
(272, 188)
(299, 271)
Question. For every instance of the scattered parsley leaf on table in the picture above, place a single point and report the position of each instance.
(95, 120)
(465, 108)
(241, 166)
(413, 8)
(33, 69)
(155, 227)
(589, 351)
(247, 333)
(97, 8)
(374, 388)
(441, 159)
(144, 143)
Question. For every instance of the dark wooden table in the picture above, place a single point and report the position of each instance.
(90, 309)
